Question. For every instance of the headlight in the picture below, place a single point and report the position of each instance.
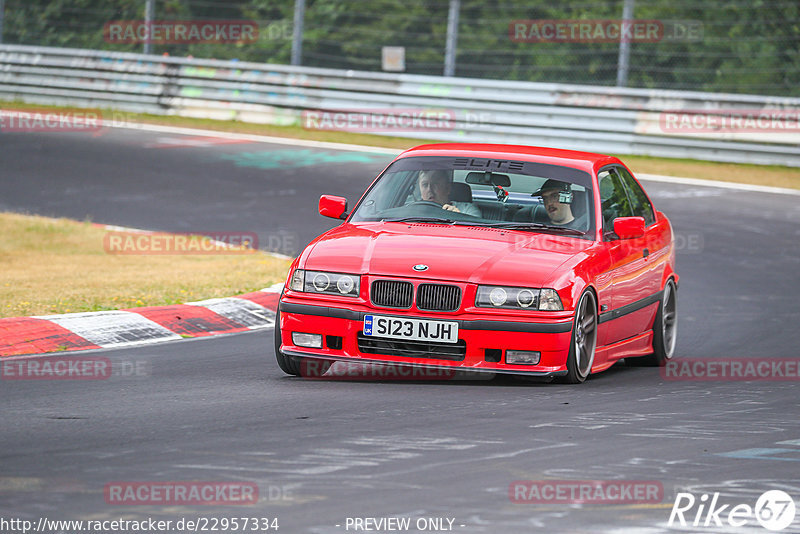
(345, 285)
(298, 280)
(549, 300)
(498, 296)
(516, 298)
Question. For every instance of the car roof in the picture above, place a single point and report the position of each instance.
(587, 161)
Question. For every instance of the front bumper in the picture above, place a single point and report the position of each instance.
(485, 338)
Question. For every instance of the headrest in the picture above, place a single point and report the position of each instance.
(461, 192)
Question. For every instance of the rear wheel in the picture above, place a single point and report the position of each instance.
(665, 330)
(584, 340)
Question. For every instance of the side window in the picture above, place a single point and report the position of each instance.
(613, 200)
(641, 204)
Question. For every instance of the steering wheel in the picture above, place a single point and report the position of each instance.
(425, 203)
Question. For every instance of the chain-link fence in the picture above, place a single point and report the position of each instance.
(738, 46)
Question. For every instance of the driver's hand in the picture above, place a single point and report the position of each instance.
(450, 207)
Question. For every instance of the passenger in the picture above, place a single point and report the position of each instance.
(557, 199)
(435, 186)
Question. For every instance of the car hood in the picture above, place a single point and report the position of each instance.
(460, 253)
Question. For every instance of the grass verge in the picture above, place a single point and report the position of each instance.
(54, 266)
(775, 176)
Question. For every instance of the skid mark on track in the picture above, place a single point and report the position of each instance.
(419, 444)
(598, 420)
(781, 454)
(644, 468)
(360, 456)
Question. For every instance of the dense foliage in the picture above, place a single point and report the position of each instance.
(747, 46)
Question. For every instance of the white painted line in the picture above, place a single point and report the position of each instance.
(277, 255)
(245, 312)
(719, 184)
(115, 228)
(190, 142)
(252, 137)
(113, 328)
(274, 288)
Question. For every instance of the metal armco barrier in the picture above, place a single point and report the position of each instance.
(598, 119)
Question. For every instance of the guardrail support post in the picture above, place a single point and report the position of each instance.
(624, 46)
(452, 38)
(297, 34)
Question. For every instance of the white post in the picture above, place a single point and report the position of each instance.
(297, 35)
(2, 16)
(624, 46)
(452, 38)
(149, 9)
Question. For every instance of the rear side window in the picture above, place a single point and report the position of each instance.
(639, 201)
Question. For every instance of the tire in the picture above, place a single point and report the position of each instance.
(584, 340)
(288, 365)
(665, 331)
(311, 367)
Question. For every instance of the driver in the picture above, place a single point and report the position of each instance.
(435, 186)
(557, 199)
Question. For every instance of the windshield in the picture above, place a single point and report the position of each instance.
(513, 194)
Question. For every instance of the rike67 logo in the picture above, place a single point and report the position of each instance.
(774, 510)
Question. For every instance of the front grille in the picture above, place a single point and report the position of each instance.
(438, 297)
(412, 349)
(391, 293)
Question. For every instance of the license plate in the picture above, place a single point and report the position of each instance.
(411, 329)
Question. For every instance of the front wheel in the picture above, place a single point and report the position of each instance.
(287, 364)
(308, 367)
(584, 340)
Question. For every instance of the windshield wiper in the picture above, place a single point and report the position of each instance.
(421, 220)
(535, 226)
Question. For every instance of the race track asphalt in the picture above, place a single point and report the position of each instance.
(323, 451)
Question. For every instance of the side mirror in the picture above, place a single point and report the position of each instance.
(629, 227)
(335, 207)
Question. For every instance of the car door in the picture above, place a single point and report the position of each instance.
(631, 277)
(655, 253)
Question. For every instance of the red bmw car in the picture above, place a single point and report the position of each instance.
(496, 258)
